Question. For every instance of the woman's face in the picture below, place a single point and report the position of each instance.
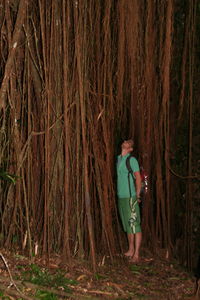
(127, 145)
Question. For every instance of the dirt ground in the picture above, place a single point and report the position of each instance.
(153, 278)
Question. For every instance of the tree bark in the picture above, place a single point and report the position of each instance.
(17, 34)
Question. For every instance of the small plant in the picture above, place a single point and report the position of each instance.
(99, 276)
(4, 297)
(8, 177)
(44, 295)
(135, 269)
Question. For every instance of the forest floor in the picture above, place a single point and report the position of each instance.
(153, 278)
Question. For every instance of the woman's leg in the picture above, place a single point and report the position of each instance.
(138, 241)
(131, 250)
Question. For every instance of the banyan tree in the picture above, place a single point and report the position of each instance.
(77, 77)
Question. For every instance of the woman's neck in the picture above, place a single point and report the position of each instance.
(124, 152)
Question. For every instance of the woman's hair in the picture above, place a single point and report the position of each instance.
(131, 143)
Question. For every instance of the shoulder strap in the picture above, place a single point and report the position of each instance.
(128, 165)
(130, 172)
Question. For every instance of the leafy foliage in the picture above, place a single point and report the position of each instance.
(43, 277)
(8, 177)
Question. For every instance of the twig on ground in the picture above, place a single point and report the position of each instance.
(11, 278)
(60, 293)
(14, 293)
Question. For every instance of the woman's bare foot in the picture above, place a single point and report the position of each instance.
(135, 259)
(129, 253)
